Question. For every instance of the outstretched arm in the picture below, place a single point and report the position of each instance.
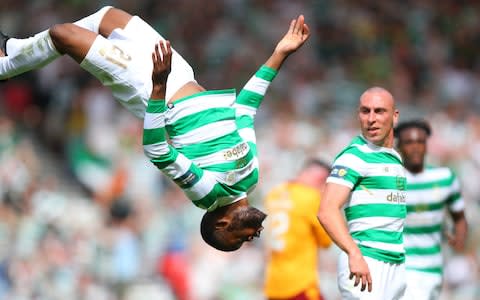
(162, 65)
(296, 36)
(251, 96)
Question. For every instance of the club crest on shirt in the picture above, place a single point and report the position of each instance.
(401, 183)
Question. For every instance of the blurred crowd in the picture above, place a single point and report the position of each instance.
(84, 215)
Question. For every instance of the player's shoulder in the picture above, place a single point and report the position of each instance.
(440, 173)
(434, 169)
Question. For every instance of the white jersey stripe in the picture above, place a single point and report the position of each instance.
(257, 85)
(205, 133)
(203, 102)
(421, 240)
(153, 121)
(384, 246)
(388, 224)
(425, 261)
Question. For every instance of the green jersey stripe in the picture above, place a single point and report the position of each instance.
(382, 182)
(383, 255)
(212, 146)
(244, 121)
(375, 210)
(454, 197)
(266, 73)
(249, 98)
(422, 229)
(422, 207)
(154, 136)
(156, 106)
(376, 235)
(197, 120)
(423, 251)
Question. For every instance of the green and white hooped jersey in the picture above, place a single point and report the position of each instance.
(429, 194)
(375, 211)
(212, 153)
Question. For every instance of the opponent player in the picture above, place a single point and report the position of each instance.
(215, 164)
(431, 191)
(294, 235)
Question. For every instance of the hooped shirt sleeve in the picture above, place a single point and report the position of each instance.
(346, 170)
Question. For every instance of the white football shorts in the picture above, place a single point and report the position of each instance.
(388, 280)
(423, 285)
(123, 62)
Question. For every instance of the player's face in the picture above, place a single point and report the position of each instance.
(246, 225)
(238, 237)
(377, 116)
(412, 144)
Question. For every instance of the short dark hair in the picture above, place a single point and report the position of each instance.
(420, 124)
(212, 236)
(317, 162)
(241, 218)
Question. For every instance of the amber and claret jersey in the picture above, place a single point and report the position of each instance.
(293, 238)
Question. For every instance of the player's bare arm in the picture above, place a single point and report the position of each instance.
(335, 197)
(162, 64)
(457, 239)
(297, 34)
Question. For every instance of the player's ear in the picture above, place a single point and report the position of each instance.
(222, 223)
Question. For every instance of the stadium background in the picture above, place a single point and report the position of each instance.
(85, 216)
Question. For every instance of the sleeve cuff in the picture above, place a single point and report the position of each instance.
(156, 106)
(266, 73)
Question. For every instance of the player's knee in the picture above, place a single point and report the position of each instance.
(61, 35)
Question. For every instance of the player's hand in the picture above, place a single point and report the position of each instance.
(457, 242)
(297, 35)
(162, 63)
(360, 272)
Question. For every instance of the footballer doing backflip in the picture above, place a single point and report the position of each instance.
(212, 155)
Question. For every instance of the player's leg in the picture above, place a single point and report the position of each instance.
(26, 54)
(22, 55)
(181, 80)
(72, 40)
(113, 18)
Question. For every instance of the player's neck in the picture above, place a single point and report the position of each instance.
(190, 88)
(415, 169)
